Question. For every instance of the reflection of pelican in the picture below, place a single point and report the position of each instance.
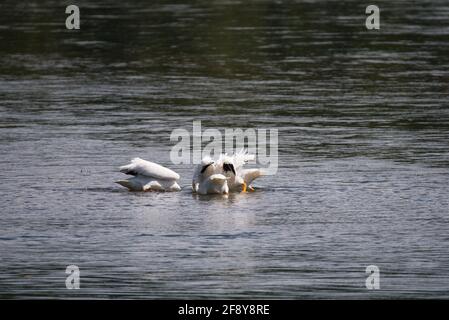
(239, 179)
(206, 181)
(149, 176)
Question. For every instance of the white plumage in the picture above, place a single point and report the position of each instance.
(206, 181)
(222, 176)
(239, 179)
(225, 175)
(249, 175)
(149, 176)
(214, 184)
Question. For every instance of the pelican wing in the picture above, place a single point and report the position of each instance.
(149, 169)
(241, 157)
(249, 175)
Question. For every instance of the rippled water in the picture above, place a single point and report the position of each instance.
(363, 124)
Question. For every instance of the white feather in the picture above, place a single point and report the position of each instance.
(206, 181)
(249, 175)
(216, 183)
(149, 169)
(242, 157)
(149, 176)
(238, 160)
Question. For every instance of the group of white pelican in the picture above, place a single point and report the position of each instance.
(221, 176)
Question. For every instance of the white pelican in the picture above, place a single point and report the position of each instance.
(206, 181)
(149, 176)
(239, 179)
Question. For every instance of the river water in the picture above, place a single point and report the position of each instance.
(363, 124)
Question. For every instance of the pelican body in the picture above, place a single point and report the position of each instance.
(239, 179)
(225, 175)
(149, 176)
(206, 181)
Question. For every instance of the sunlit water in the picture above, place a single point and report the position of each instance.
(363, 124)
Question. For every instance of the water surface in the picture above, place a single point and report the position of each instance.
(363, 124)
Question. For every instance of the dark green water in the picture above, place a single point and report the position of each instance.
(363, 120)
